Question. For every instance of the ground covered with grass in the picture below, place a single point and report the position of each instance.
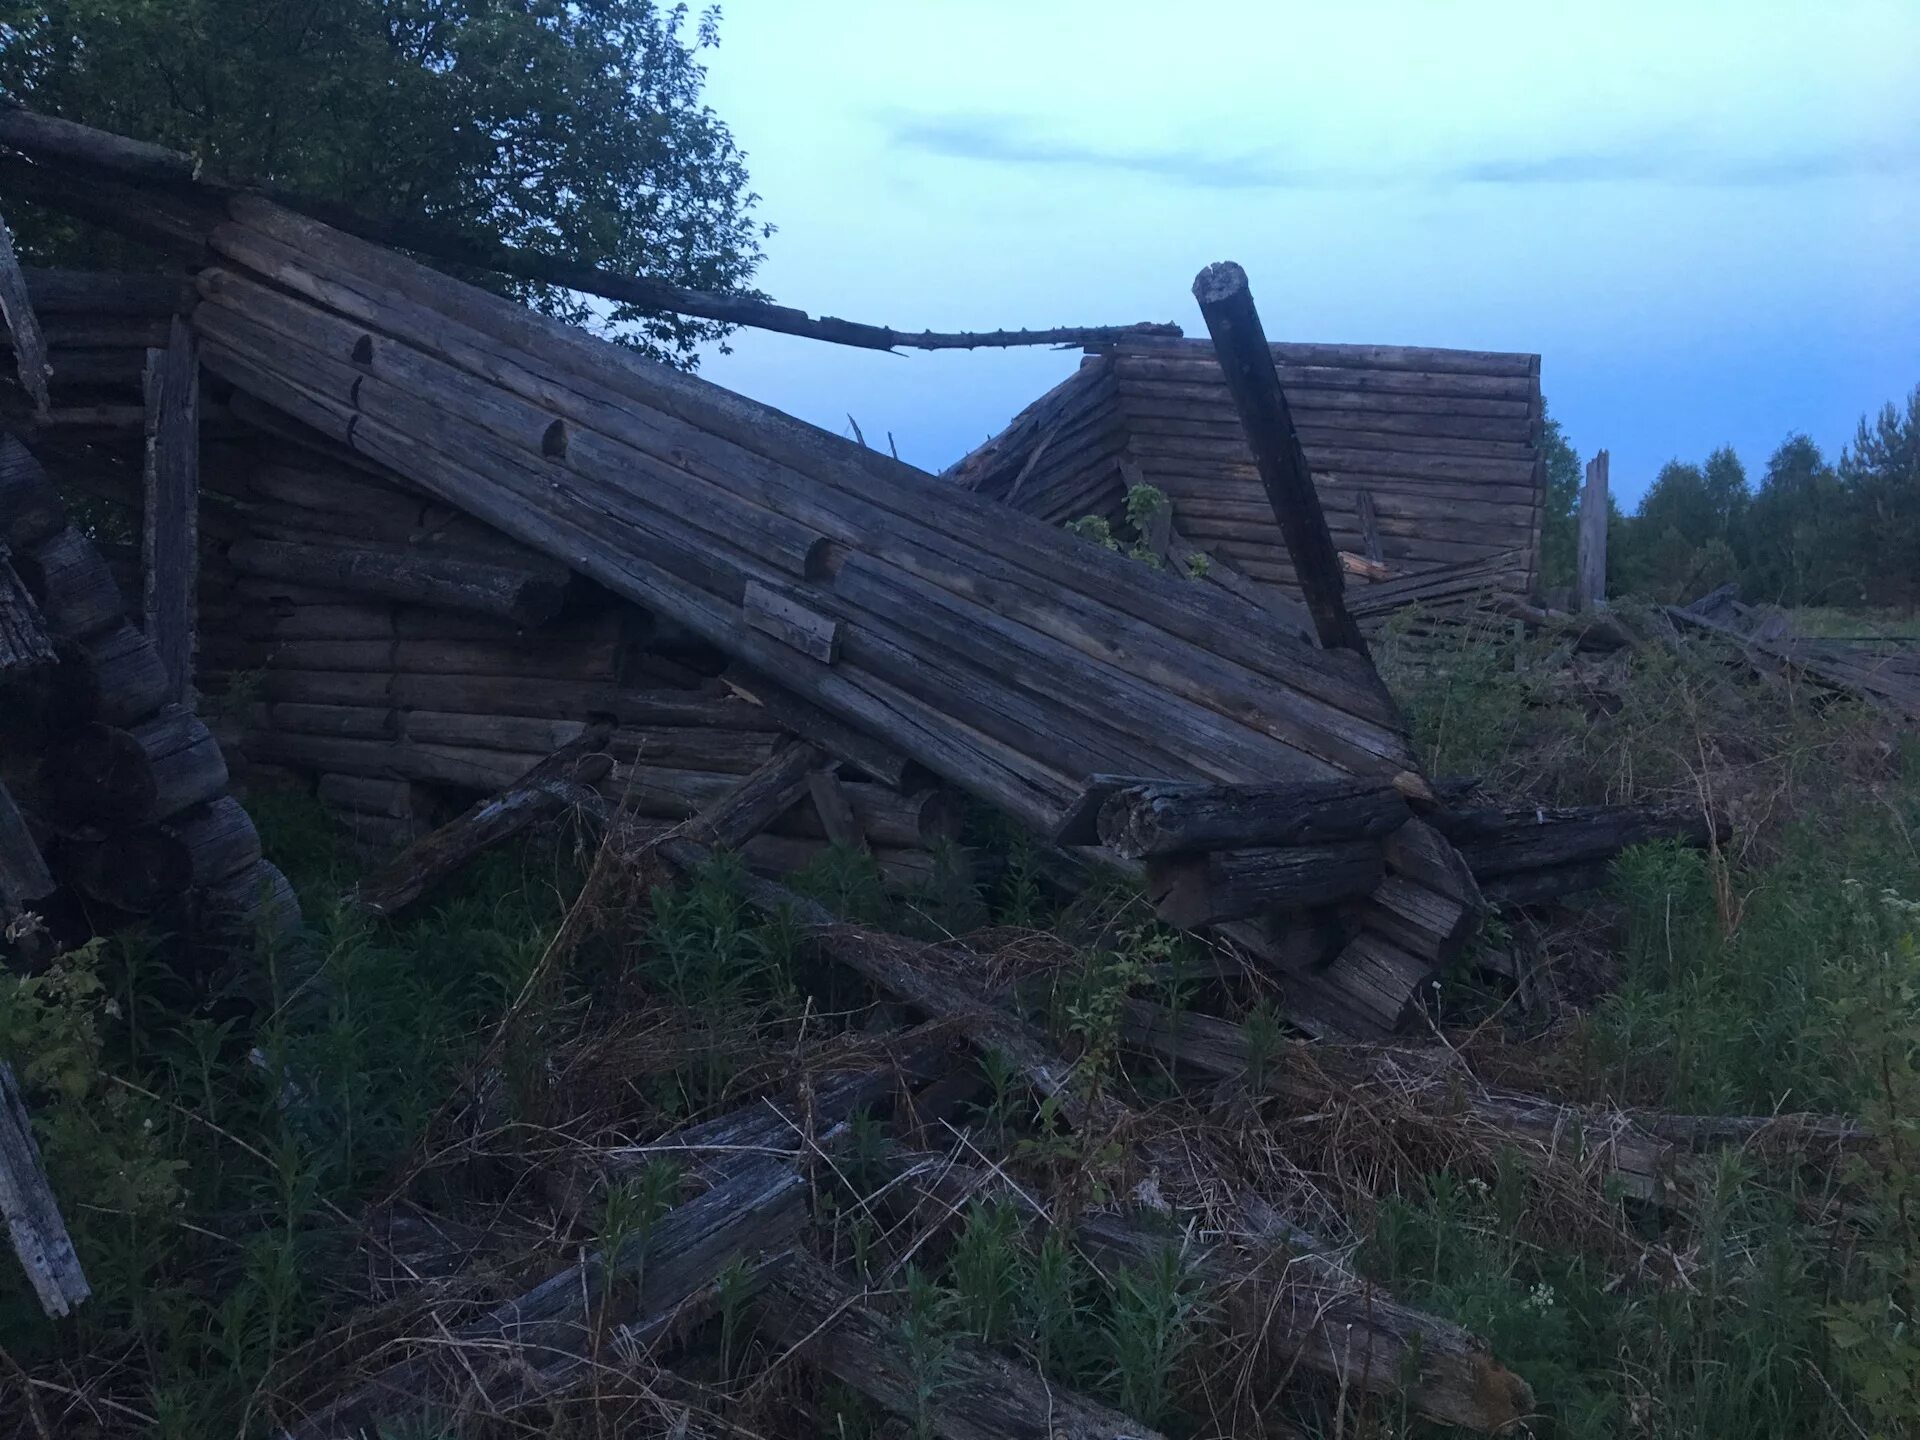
(272, 1171)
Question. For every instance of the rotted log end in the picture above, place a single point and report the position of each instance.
(1219, 281)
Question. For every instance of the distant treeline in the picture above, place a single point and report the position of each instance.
(1811, 532)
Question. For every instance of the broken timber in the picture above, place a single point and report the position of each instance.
(550, 787)
(33, 1216)
(46, 138)
(1332, 1322)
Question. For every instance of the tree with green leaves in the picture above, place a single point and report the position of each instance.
(1797, 531)
(571, 127)
(1880, 474)
(1559, 529)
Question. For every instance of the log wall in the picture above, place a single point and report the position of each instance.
(1444, 446)
(397, 712)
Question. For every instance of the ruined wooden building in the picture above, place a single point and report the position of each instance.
(298, 508)
(1425, 460)
(430, 535)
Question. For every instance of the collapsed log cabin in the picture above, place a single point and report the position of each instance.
(440, 536)
(1427, 461)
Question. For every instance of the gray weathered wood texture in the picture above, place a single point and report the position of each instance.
(32, 1213)
(1240, 346)
(1443, 443)
(1590, 571)
(170, 534)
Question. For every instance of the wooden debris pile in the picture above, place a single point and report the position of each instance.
(1883, 673)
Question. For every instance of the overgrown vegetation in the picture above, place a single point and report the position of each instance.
(258, 1169)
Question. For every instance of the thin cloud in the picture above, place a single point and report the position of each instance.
(1007, 140)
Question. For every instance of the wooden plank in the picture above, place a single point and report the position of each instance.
(1432, 359)
(1192, 890)
(29, 345)
(33, 1218)
(1369, 526)
(170, 532)
(1247, 362)
(24, 876)
(835, 810)
(756, 801)
(549, 788)
(1590, 578)
(1163, 818)
(792, 622)
(544, 1342)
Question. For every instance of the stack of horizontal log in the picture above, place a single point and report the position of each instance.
(401, 657)
(97, 329)
(1423, 458)
(126, 792)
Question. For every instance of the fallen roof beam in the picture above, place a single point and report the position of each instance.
(49, 140)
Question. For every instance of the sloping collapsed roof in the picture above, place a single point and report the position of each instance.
(1012, 659)
(1444, 443)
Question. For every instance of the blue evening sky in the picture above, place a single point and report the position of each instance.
(1704, 216)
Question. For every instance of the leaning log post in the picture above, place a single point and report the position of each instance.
(1590, 583)
(545, 790)
(1246, 359)
(170, 527)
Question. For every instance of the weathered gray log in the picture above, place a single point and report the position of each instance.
(139, 870)
(170, 528)
(540, 1344)
(981, 1395)
(188, 768)
(16, 306)
(760, 798)
(47, 138)
(33, 1218)
(523, 597)
(24, 643)
(1246, 360)
(1212, 886)
(550, 787)
(30, 507)
(252, 905)
(24, 876)
(72, 584)
(115, 677)
(1504, 842)
(1165, 817)
(108, 292)
(108, 775)
(842, 741)
(1590, 578)
(835, 810)
(219, 838)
